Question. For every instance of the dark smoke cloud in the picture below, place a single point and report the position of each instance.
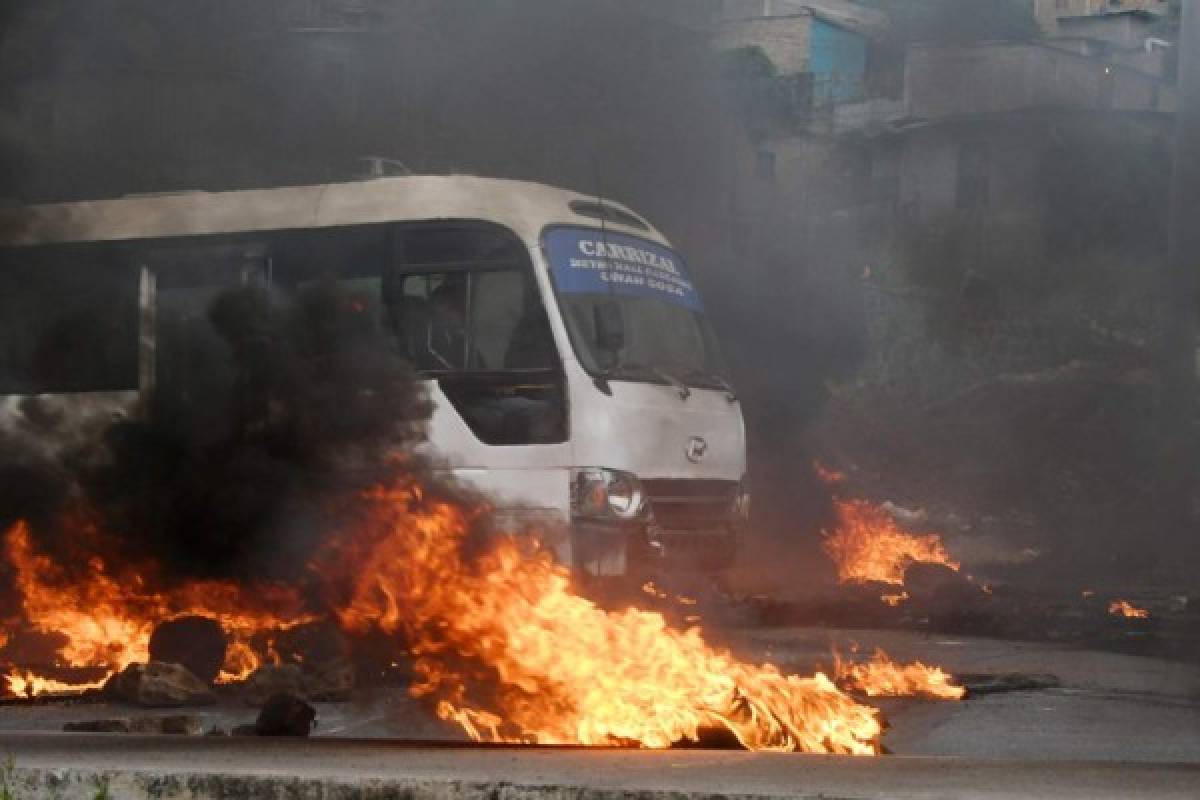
(319, 404)
(596, 95)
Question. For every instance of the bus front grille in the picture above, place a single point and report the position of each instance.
(683, 505)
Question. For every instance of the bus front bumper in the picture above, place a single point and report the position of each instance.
(603, 549)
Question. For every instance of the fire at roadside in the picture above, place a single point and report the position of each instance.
(493, 636)
(502, 646)
(892, 572)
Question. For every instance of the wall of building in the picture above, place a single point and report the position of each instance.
(1048, 12)
(1151, 62)
(785, 40)
(743, 9)
(838, 63)
(938, 164)
(950, 81)
(1120, 30)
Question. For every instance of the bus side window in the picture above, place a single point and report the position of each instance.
(68, 320)
(509, 324)
(466, 311)
(481, 321)
(430, 320)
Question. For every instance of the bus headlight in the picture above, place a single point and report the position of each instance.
(600, 493)
(741, 502)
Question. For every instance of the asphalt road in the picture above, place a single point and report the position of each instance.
(1110, 706)
(1119, 726)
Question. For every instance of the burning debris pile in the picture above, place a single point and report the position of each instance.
(889, 574)
(1126, 609)
(551, 667)
(107, 620)
(500, 644)
(868, 545)
(870, 549)
(883, 677)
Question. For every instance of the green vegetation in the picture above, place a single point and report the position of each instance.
(9, 792)
(6, 780)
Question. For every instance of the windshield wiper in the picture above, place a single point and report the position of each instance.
(657, 372)
(714, 378)
(680, 386)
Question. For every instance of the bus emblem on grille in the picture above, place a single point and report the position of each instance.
(696, 448)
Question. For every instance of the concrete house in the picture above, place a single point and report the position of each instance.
(1052, 13)
(827, 42)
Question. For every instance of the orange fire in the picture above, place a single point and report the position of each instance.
(869, 545)
(500, 643)
(828, 475)
(882, 677)
(1126, 609)
(29, 685)
(106, 619)
(550, 666)
(651, 589)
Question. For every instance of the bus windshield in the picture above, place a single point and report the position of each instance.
(631, 310)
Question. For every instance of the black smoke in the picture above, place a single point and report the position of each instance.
(318, 408)
(615, 97)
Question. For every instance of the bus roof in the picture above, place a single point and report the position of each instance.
(523, 206)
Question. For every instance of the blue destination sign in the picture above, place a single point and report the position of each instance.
(589, 261)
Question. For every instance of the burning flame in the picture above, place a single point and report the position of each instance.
(500, 643)
(651, 589)
(828, 475)
(882, 677)
(869, 545)
(504, 647)
(560, 670)
(29, 685)
(107, 620)
(1126, 609)
(894, 600)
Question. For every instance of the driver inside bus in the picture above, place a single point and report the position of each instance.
(447, 334)
(498, 403)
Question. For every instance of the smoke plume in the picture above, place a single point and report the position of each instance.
(319, 405)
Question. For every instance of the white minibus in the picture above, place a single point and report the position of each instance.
(574, 375)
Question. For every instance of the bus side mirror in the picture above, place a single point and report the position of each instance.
(610, 327)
